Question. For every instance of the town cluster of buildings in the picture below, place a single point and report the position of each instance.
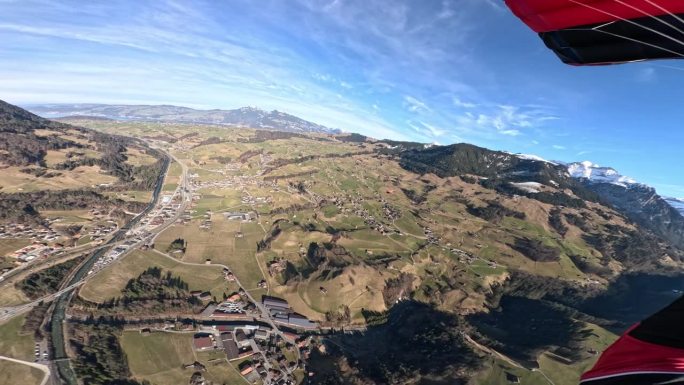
(263, 351)
(168, 209)
(33, 251)
(36, 233)
(48, 239)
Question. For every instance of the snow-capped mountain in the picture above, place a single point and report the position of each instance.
(247, 116)
(597, 174)
(677, 203)
(639, 202)
(534, 157)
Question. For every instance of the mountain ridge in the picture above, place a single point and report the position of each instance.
(512, 174)
(245, 116)
(677, 203)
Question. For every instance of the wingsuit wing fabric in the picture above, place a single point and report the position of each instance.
(651, 352)
(591, 32)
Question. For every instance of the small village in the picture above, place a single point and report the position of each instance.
(266, 354)
(54, 238)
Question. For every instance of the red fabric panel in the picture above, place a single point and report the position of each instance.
(629, 355)
(552, 15)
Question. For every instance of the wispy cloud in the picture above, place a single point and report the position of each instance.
(414, 105)
(463, 104)
(646, 75)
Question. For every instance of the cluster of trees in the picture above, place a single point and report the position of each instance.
(222, 159)
(261, 136)
(153, 291)
(339, 317)
(587, 267)
(577, 220)
(178, 244)
(265, 243)
(46, 281)
(556, 222)
(635, 248)
(100, 360)
(536, 250)
(395, 288)
(352, 138)
(494, 212)
(418, 198)
(208, 141)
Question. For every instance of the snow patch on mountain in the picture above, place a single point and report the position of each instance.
(530, 187)
(534, 157)
(597, 174)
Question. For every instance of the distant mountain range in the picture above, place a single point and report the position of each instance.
(639, 202)
(246, 116)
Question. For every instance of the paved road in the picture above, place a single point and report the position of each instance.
(10, 312)
(43, 368)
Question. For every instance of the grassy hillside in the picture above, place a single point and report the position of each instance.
(47, 165)
(509, 252)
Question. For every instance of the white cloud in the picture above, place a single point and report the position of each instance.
(414, 105)
(460, 103)
(510, 132)
(558, 147)
(504, 120)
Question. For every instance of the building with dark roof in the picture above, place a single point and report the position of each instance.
(300, 321)
(229, 346)
(241, 338)
(273, 302)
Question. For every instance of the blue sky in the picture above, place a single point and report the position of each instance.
(431, 70)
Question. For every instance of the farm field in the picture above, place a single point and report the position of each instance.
(158, 358)
(13, 342)
(109, 282)
(220, 245)
(12, 296)
(16, 373)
